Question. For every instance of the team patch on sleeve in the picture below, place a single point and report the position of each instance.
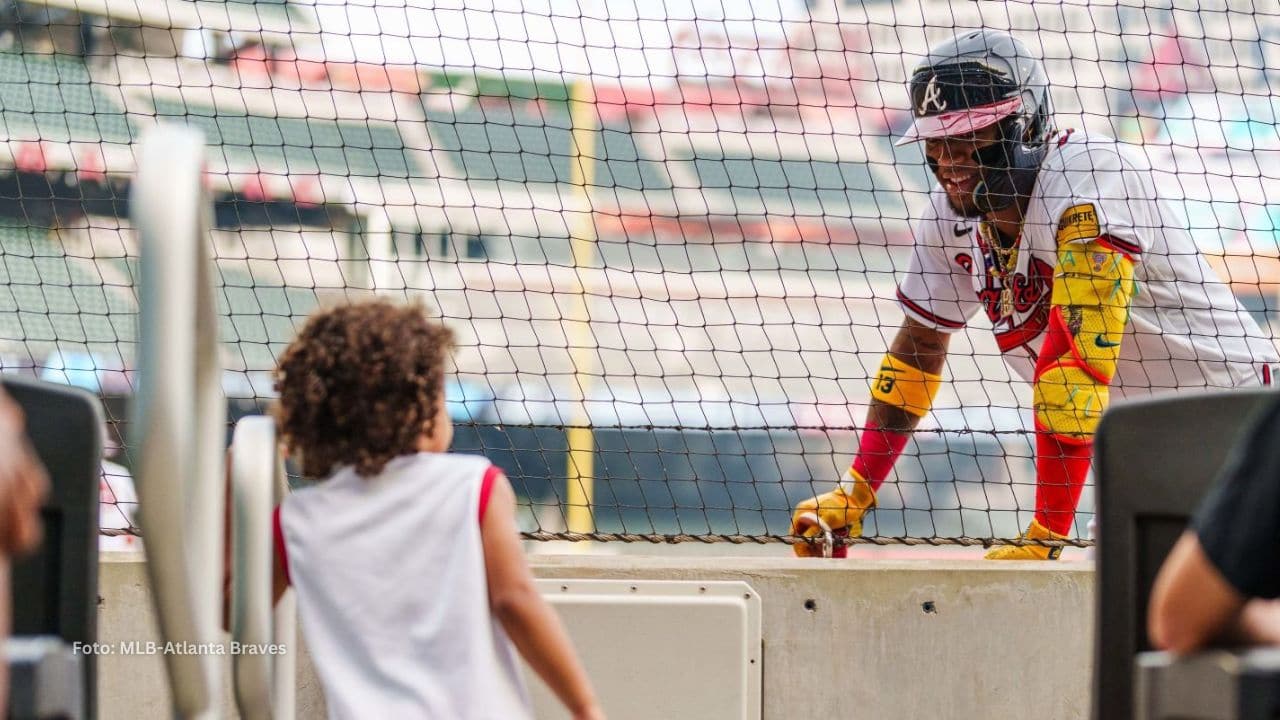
(1079, 222)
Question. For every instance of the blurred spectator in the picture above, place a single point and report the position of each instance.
(23, 485)
(98, 374)
(78, 369)
(117, 502)
(200, 44)
(1176, 66)
(18, 364)
(1220, 582)
(469, 400)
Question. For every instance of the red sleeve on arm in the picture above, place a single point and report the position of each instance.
(278, 540)
(878, 451)
(486, 487)
(1062, 466)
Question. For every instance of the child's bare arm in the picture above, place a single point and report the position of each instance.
(530, 622)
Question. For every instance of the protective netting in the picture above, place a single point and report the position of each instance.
(667, 235)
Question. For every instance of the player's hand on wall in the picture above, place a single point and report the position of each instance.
(837, 513)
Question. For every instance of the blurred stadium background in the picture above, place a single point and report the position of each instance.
(677, 224)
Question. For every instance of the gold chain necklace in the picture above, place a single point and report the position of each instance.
(1006, 261)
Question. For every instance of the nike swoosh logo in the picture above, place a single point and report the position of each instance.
(961, 230)
(1103, 342)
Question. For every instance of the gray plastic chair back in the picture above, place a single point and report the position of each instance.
(55, 590)
(1154, 460)
(47, 679)
(1216, 684)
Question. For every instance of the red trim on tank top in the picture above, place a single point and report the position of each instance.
(282, 552)
(486, 487)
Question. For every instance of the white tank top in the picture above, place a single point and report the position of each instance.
(392, 592)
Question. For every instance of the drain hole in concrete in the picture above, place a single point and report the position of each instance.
(810, 604)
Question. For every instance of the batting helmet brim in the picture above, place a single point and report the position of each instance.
(960, 122)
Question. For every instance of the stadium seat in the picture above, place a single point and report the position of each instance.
(1154, 460)
(1211, 685)
(45, 674)
(56, 589)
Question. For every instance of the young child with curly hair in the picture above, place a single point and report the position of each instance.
(411, 581)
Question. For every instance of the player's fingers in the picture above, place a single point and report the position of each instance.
(807, 525)
(812, 548)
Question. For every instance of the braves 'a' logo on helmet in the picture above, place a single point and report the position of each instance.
(932, 98)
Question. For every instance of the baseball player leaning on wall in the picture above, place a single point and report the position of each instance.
(1093, 288)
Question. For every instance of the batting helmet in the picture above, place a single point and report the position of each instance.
(978, 79)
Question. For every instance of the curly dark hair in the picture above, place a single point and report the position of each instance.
(359, 385)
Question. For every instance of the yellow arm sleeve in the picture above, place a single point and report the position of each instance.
(1092, 288)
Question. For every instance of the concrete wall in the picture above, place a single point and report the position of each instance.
(884, 639)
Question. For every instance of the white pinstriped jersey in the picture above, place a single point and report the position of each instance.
(1186, 328)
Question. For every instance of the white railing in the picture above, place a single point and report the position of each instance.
(179, 421)
(264, 678)
(179, 412)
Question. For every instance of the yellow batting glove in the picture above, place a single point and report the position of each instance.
(835, 514)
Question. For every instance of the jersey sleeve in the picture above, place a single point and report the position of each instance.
(937, 290)
(1097, 191)
(1239, 523)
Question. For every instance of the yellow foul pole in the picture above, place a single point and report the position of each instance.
(579, 488)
